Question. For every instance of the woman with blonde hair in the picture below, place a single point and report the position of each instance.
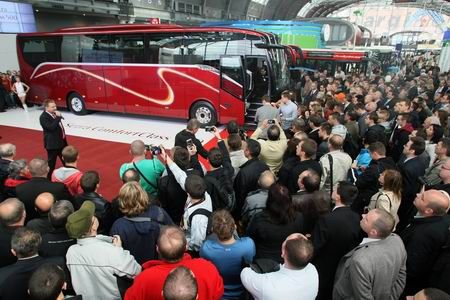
(227, 252)
(139, 228)
(389, 196)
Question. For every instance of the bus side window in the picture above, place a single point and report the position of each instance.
(127, 49)
(165, 48)
(70, 48)
(37, 50)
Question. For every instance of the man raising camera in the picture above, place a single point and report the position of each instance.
(149, 169)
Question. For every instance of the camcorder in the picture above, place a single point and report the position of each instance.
(155, 150)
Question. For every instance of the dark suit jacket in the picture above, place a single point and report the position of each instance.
(6, 257)
(411, 170)
(334, 235)
(247, 181)
(14, 278)
(314, 135)
(298, 169)
(53, 135)
(28, 191)
(423, 239)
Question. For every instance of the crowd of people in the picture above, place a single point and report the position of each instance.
(342, 192)
(13, 92)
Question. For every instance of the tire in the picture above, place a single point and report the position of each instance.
(76, 104)
(204, 112)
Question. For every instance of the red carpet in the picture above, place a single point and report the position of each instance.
(103, 156)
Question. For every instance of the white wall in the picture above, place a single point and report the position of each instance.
(8, 54)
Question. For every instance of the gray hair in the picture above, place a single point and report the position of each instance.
(38, 167)
(59, 213)
(16, 167)
(7, 150)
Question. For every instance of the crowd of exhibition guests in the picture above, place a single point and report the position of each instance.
(341, 192)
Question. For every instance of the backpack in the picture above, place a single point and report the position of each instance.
(204, 212)
(221, 191)
(350, 146)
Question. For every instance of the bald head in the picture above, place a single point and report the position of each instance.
(38, 167)
(266, 179)
(336, 142)
(44, 202)
(171, 243)
(437, 201)
(137, 148)
(12, 212)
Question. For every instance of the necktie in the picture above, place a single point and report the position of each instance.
(63, 132)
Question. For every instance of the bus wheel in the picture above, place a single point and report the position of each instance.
(204, 112)
(76, 104)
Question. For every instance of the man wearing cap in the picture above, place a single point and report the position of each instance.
(96, 261)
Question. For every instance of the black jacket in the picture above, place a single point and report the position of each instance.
(183, 136)
(298, 169)
(28, 191)
(247, 181)
(4, 165)
(423, 239)
(335, 234)
(367, 182)
(375, 133)
(269, 235)
(53, 134)
(6, 257)
(56, 243)
(102, 209)
(286, 169)
(172, 196)
(411, 170)
(14, 278)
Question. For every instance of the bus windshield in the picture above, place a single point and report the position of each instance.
(280, 68)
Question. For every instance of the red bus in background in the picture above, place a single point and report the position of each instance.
(212, 74)
(350, 61)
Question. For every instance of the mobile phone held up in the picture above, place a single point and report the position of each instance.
(189, 144)
(270, 122)
(209, 128)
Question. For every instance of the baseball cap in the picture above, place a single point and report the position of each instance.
(79, 222)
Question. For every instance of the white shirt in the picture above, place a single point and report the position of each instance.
(283, 284)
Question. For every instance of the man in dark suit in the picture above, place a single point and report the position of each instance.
(334, 235)
(27, 192)
(306, 151)
(54, 134)
(247, 179)
(14, 278)
(425, 238)
(411, 169)
(12, 216)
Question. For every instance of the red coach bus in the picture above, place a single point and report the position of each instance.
(209, 73)
(350, 61)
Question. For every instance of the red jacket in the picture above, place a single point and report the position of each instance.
(71, 177)
(149, 284)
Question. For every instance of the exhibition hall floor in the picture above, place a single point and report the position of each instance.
(102, 139)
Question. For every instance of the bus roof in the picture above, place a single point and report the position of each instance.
(140, 28)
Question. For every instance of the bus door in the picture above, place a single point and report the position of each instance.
(260, 84)
(232, 85)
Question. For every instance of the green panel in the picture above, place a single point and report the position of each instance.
(303, 41)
